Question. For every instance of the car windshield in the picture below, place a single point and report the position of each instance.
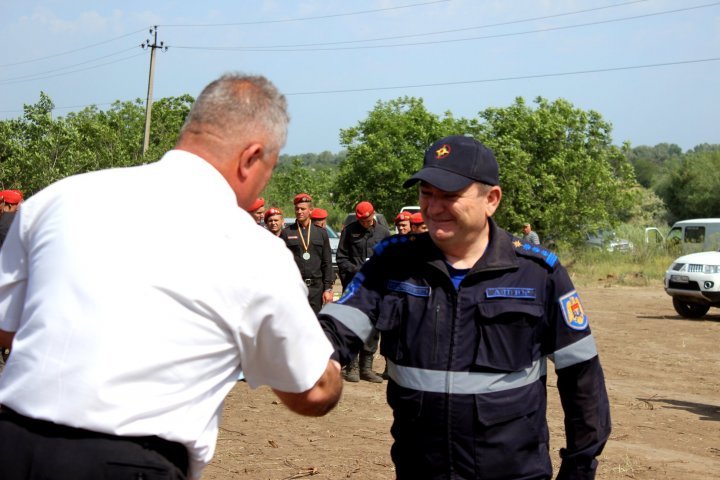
(331, 233)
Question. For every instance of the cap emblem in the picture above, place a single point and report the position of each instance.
(443, 152)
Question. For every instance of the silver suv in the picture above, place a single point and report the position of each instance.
(693, 282)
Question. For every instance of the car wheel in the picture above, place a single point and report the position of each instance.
(689, 310)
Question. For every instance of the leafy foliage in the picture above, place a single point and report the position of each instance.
(37, 150)
(691, 186)
(387, 148)
(649, 162)
(558, 168)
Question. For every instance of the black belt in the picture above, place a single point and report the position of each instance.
(175, 452)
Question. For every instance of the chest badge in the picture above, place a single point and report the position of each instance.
(573, 311)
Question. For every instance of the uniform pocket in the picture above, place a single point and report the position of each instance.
(388, 324)
(512, 436)
(507, 335)
(405, 403)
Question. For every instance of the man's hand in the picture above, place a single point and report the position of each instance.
(321, 398)
(327, 296)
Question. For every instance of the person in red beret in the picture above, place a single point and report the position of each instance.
(402, 222)
(257, 210)
(357, 241)
(417, 223)
(319, 217)
(274, 220)
(11, 200)
(311, 249)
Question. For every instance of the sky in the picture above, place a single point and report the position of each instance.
(650, 67)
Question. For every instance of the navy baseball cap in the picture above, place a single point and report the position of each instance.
(452, 163)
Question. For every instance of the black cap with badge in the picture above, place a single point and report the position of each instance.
(452, 163)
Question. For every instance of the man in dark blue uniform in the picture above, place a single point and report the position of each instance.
(469, 316)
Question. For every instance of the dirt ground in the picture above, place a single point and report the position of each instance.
(662, 374)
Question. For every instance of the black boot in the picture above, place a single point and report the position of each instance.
(366, 371)
(350, 371)
(384, 374)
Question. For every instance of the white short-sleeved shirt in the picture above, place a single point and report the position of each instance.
(137, 295)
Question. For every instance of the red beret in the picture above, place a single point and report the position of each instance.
(260, 202)
(12, 196)
(364, 210)
(272, 211)
(402, 216)
(318, 214)
(417, 218)
(302, 198)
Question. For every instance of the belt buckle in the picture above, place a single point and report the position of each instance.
(308, 282)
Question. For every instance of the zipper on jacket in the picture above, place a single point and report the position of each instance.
(436, 333)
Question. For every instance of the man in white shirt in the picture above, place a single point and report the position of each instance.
(128, 329)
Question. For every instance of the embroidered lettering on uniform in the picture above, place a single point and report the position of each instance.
(528, 293)
(290, 237)
(409, 288)
(352, 288)
(573, 311)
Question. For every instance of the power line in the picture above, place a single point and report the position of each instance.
(9, 82)
(72, 51)
(455, 30)
(29, 76)
(302, 19)
(435, 42)
(466, 82)
(503, 79)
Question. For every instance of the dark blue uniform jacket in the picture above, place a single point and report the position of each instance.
(468, 366)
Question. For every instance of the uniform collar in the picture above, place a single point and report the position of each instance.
(500, 252)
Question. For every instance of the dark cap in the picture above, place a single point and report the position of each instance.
(452, 163)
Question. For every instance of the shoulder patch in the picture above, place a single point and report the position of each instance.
(573, 311)
(395, 241)
(535, 251)
(352, 288)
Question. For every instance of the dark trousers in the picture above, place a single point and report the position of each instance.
(34, 449)
(315, 291)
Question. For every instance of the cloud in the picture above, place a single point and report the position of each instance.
(80, 23)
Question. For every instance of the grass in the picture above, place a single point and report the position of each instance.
(644, 266)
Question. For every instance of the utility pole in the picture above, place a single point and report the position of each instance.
(148, 103)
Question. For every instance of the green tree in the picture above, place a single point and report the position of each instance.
(558, 168)
(36, 150)
(649, 162)
(385, 149)
(691, 188)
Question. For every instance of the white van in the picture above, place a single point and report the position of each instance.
(696, 235)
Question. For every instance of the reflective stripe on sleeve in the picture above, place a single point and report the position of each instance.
(580, 351)
(354, 319)
(440, 381)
